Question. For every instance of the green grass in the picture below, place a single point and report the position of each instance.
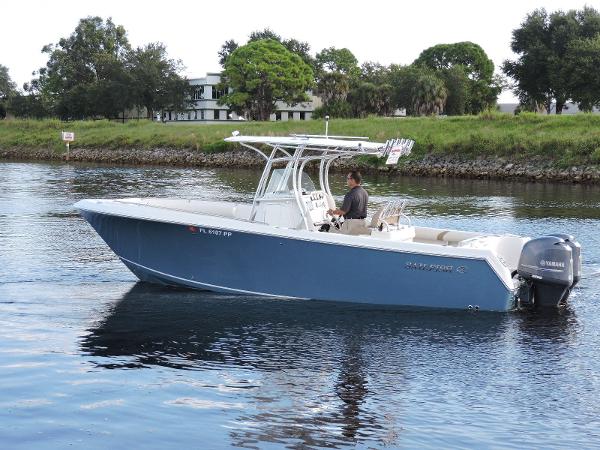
(565, 140)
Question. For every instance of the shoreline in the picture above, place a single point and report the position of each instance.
(437, 166)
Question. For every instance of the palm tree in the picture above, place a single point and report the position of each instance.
(333, 87)
(429, 95)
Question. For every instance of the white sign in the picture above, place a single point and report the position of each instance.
(394, 155)
(398, 148)
(68, 136)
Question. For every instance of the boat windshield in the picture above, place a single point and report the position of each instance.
(277, 184)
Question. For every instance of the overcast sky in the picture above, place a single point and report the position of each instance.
(380, 31)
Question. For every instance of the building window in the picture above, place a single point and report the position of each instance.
(302, 115)
(217, 93)
(201, 114)
(199, 93)
(278, 115)
(216, 114)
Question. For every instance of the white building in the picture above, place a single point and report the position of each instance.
(570, 108)
(206, 109)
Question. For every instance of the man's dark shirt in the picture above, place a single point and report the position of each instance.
(355, 203)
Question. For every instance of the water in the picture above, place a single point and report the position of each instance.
(91, 359)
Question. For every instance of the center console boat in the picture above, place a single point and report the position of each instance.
(272, 245)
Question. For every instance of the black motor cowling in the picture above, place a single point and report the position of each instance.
(549, 267)
(576, 248)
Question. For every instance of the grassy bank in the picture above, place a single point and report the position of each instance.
(566, 140)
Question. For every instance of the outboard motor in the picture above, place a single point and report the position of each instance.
(576, 247)
(546, 268)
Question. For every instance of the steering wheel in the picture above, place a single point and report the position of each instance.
(336, 222)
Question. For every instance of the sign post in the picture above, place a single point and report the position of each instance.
(68, 137)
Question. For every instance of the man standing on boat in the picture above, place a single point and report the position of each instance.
(354, 207)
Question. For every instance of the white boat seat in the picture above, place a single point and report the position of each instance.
(389, 214)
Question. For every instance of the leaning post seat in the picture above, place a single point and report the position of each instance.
(389, 214)
(385, 223)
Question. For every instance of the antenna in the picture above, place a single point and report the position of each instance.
(326, 126)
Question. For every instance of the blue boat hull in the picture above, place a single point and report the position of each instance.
(262, 264)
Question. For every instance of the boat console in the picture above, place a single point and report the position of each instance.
(286, 196)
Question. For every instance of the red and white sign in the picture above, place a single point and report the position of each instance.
(398, 148)
(68, 136)
(395, 154)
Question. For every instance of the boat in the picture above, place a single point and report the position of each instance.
(276, 245)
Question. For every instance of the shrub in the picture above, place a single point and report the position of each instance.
(337, 109)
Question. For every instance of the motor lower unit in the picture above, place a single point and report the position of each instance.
(548, 269)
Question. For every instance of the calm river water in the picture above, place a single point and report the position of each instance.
(91, 359)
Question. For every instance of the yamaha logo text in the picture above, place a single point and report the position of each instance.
(557, 264)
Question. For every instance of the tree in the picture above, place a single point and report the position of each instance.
(417, 89)
(403, 80)
(85, 69)
(333, 87)
(369, 98)
(543, 43)
(337, 60)
(456, 81)
(155, 78)
(175, 94)
(363, 99)
(95, 73)
(7, 86)
(7, 89)
(479, 89)
(530, 71)
(385, 105)
(373, 72)
(265, 34)
(300, 48)
(336, 73)
(483, 96)
(470, 56)
(227, 49)
(428, 95)
(582, 61)
(29, 106)
(336, 109)
(261, 73)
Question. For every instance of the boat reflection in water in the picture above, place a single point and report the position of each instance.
(330, 373)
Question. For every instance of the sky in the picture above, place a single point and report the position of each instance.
(193, 31)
